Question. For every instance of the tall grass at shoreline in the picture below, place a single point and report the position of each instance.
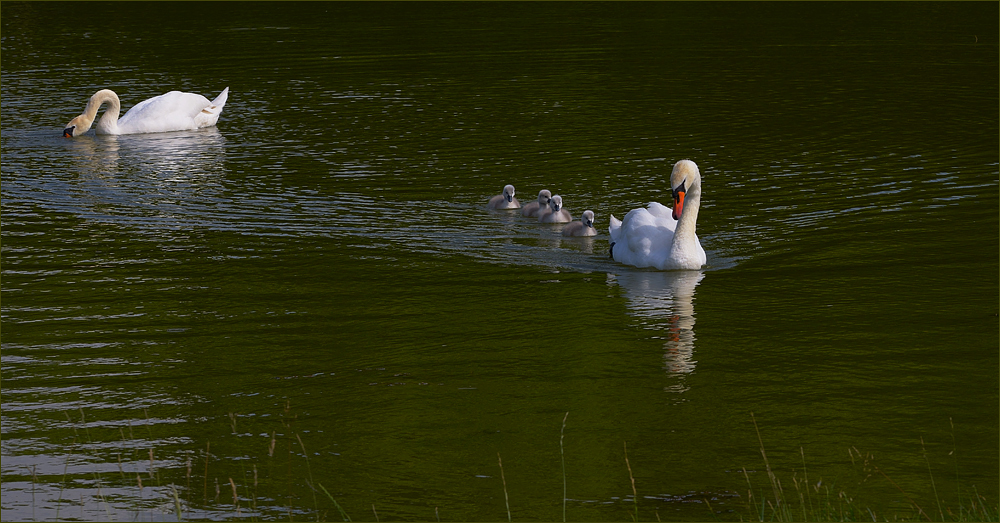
(820, 502)
(805, 500)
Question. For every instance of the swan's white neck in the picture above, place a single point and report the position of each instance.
(685, 240)
(108, 124)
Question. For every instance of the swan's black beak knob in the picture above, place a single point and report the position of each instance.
(68, 132)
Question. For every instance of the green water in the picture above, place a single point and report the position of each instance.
(320, 272)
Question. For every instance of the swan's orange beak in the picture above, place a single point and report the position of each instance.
(68, 132)
(678, 202)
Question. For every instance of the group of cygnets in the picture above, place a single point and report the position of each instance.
(548, 209)
(655, 236)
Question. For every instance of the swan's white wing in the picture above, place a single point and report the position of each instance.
(647, 232)
(663, 212)
(173, 111)
(643, 238)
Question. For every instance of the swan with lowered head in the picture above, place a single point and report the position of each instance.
(555, 213)
(584, 227)
(532, 209)
(173, 111)
(505, 200)
(661, 238)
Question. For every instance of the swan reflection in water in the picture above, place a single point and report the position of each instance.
(160, 155)
(144, 176)
(664, 302)
(176, 154)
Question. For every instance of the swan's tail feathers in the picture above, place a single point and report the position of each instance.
(614, 225)
(209, 116)
(221, 99)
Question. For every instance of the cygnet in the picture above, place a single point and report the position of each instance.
(555, 213)
(505, 200)
(533, 208)
(584, 227)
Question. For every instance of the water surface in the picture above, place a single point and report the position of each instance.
(313, 294)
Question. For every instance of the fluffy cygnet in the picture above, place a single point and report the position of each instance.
(584, 227)
(555, 213)
(533, 208)
(505, 200)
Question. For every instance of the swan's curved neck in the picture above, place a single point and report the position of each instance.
(108, 123)
(684, 235)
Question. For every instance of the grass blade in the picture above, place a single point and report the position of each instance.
(342, 513)
(506, 500)
(635, 497)
(562, 455)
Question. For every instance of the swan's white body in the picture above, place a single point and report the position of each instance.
(505, 200)
(584, 227)
(661, 238)
(555, 212)
(173, 111)
(531, 210)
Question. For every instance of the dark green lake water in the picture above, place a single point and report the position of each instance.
(312, 293)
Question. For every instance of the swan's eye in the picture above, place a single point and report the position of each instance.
(678, 191)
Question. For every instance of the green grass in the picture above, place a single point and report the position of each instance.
(820, 502)
(794, 498)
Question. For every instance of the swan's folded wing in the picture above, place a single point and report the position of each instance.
(663, 214)
(173, 111)
(635, 227)
(647, 234)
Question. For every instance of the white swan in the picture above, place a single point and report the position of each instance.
(173, 111)
(555, 213)
(531, 210)
(584, 227)
(505, 200)
(657, 237)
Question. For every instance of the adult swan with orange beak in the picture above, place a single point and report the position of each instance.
(658, 236)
